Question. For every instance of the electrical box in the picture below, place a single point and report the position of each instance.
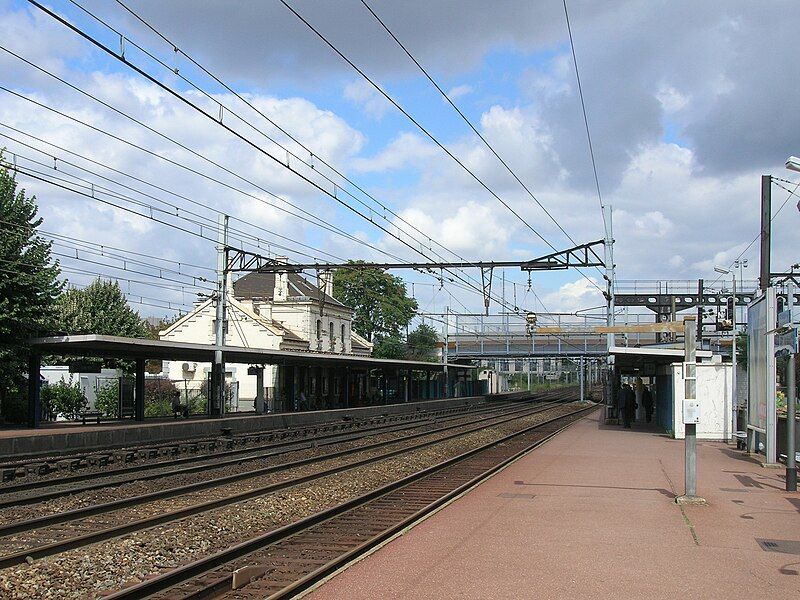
(691, 412)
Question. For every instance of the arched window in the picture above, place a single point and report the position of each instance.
(319, 329)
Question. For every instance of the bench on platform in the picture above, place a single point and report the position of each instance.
(91, 414)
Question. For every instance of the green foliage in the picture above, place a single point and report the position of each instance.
(28, 282)
(158, 394)
(741, 349)
(382, 308)
(65, 399)
(99, 308)
(391, 347)
(107, 398)
(421, 343)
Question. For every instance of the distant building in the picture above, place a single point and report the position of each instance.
(280, 311)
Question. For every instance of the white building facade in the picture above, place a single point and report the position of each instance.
(272, 311)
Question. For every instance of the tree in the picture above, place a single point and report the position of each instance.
(28, 282)
(421, 343)
(390, 347)
(64, 399)
(382, 308)
(99, 308)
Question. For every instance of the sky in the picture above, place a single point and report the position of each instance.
(688, 104)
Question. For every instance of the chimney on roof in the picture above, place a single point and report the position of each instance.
(281, 292)
(328, 283)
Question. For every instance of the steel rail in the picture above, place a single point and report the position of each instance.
(186, 572)
(271, 448)
(174, 446)
(21, 556)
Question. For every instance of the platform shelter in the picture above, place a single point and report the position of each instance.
(351, 379)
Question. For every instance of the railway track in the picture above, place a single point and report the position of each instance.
(290, 559)
(41, 468)
(32, 539)
(21, 494)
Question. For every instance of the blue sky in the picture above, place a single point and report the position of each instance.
(669, 94)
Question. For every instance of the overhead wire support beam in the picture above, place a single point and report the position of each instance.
(582, 255)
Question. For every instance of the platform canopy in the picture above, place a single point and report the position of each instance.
(629, 359)
(109, 346)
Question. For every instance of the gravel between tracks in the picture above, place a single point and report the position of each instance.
(115, 491)
(90, 572)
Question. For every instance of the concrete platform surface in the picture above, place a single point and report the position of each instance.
(591, 514)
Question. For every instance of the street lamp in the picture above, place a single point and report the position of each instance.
(734, 395)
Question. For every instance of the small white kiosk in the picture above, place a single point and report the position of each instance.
(665, 367)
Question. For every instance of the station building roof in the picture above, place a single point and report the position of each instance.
(109, 346)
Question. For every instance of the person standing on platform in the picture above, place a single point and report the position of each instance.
(647, 400)
(628, 405)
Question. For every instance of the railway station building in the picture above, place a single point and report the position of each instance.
(270, 311)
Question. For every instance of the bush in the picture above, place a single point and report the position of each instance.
(107, 399)
(14, 409)
(65, 399)
(158, 395)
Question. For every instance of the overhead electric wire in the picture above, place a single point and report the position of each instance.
(175, 94)
(775, 214)
(143, 181)
(309, 217)
(583, 108)
(465, 119)
(209, 224)
(270, 120)
(411, 118)
(178, 96)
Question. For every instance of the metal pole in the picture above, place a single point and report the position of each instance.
(446, 338)
(608, 259)
(766, 230)
(734, 393)
(791, 400)
(690, 393)
(218, 373)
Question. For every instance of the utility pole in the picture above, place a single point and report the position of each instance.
(791, 401)
(218, 370)
(766, 230)
(608, 259)
(446, 348)
(691, 415)
(735, 395)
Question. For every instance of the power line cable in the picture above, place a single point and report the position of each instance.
(412, 119)
(252, 106)
(583, 108)
(186, 101)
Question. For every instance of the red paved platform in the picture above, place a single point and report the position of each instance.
(591, 514)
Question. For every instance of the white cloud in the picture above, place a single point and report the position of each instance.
(406, 149)
(460, 91)
(671, 99)
(575, 295)
(362, 94)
